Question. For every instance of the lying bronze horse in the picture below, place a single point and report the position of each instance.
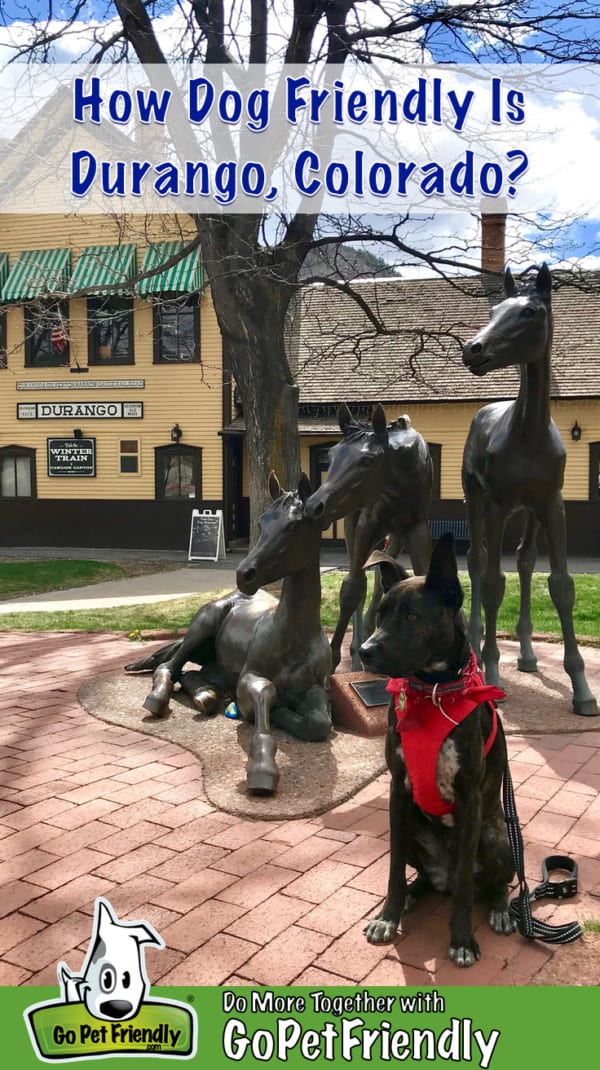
(273, 654)
(380, 480)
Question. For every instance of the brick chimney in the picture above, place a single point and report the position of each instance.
(493, 241)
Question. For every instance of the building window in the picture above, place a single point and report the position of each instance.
(178, 472)
(177, 329)
(3, 358)
(46, 335)
(319, 461)
(110, 330)
(435, 452)
(129, 456)
(594, 471)
(17, 472)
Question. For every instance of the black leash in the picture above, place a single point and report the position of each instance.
(520, 907)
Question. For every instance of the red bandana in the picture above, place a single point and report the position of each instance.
(425, 715)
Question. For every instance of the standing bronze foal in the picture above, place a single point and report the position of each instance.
(514, 459)
(380, 480)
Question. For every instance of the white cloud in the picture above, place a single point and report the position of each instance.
(561, 134)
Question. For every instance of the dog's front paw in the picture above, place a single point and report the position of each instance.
(380, 931)
(465, 954)
(502, 921)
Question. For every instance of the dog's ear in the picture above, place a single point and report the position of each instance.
(442, 577)
(391, 571)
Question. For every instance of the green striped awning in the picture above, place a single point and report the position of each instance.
(186, 276)
(38, 272)
(3, 268)
(100, 266)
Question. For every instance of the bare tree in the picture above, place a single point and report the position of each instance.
(255, 270)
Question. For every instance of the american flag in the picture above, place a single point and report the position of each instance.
(59, 338)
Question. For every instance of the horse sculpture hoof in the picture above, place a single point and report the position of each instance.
(586, 707)
(263, 773)
(262, 781)
(158, 699)
(156, 704)
(527, 664)
(205, 700)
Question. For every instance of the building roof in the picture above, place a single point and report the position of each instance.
(338, 356)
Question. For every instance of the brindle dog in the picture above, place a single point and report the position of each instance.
(422, 631)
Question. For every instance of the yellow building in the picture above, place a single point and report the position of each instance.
(116, 411)
(112, 389)
(417, 369)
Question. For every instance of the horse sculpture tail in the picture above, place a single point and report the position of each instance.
(150, 663)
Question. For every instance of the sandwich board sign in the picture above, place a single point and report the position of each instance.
(207, 538)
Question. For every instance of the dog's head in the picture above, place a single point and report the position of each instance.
(420, 624)
(113, 982)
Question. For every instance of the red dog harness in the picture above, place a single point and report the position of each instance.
(423, 723)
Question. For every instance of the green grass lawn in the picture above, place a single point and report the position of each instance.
(174, 614)
(544, 616)
(19, 578)
(177, 613)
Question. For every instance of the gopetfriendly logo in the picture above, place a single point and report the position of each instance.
(105, 1010)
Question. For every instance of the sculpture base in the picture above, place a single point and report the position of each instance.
(349, 711)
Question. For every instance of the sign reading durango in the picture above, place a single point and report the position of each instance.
(96, 410)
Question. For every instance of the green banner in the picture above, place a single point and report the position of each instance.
(62, 1031)
(500, 1028)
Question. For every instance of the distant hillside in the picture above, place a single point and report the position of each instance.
(344, 262)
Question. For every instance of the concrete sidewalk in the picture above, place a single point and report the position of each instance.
(197, 578)
(153, 587)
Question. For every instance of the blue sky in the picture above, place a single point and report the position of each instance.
(581, 238)
(30, 10)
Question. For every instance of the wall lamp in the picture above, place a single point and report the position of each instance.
(77, 433)
(576, 432)
(176, 434)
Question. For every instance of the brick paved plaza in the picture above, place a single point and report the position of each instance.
(88, 809)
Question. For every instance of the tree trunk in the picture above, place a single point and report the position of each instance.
(251, 305)
(251, 283)
(271, 436)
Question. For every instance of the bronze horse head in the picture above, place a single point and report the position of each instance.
(356, 470)
(519, 330)
(289, 538)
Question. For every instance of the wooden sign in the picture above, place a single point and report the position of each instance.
(207, 537)
(89, 384)
(72, 457)
(80, 410)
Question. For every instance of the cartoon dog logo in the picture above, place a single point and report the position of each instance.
(113, 981)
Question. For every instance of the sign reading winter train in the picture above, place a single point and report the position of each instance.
(71, 456)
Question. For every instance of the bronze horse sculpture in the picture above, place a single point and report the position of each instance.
(272, 653)
(514, 459)
(380, 481)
